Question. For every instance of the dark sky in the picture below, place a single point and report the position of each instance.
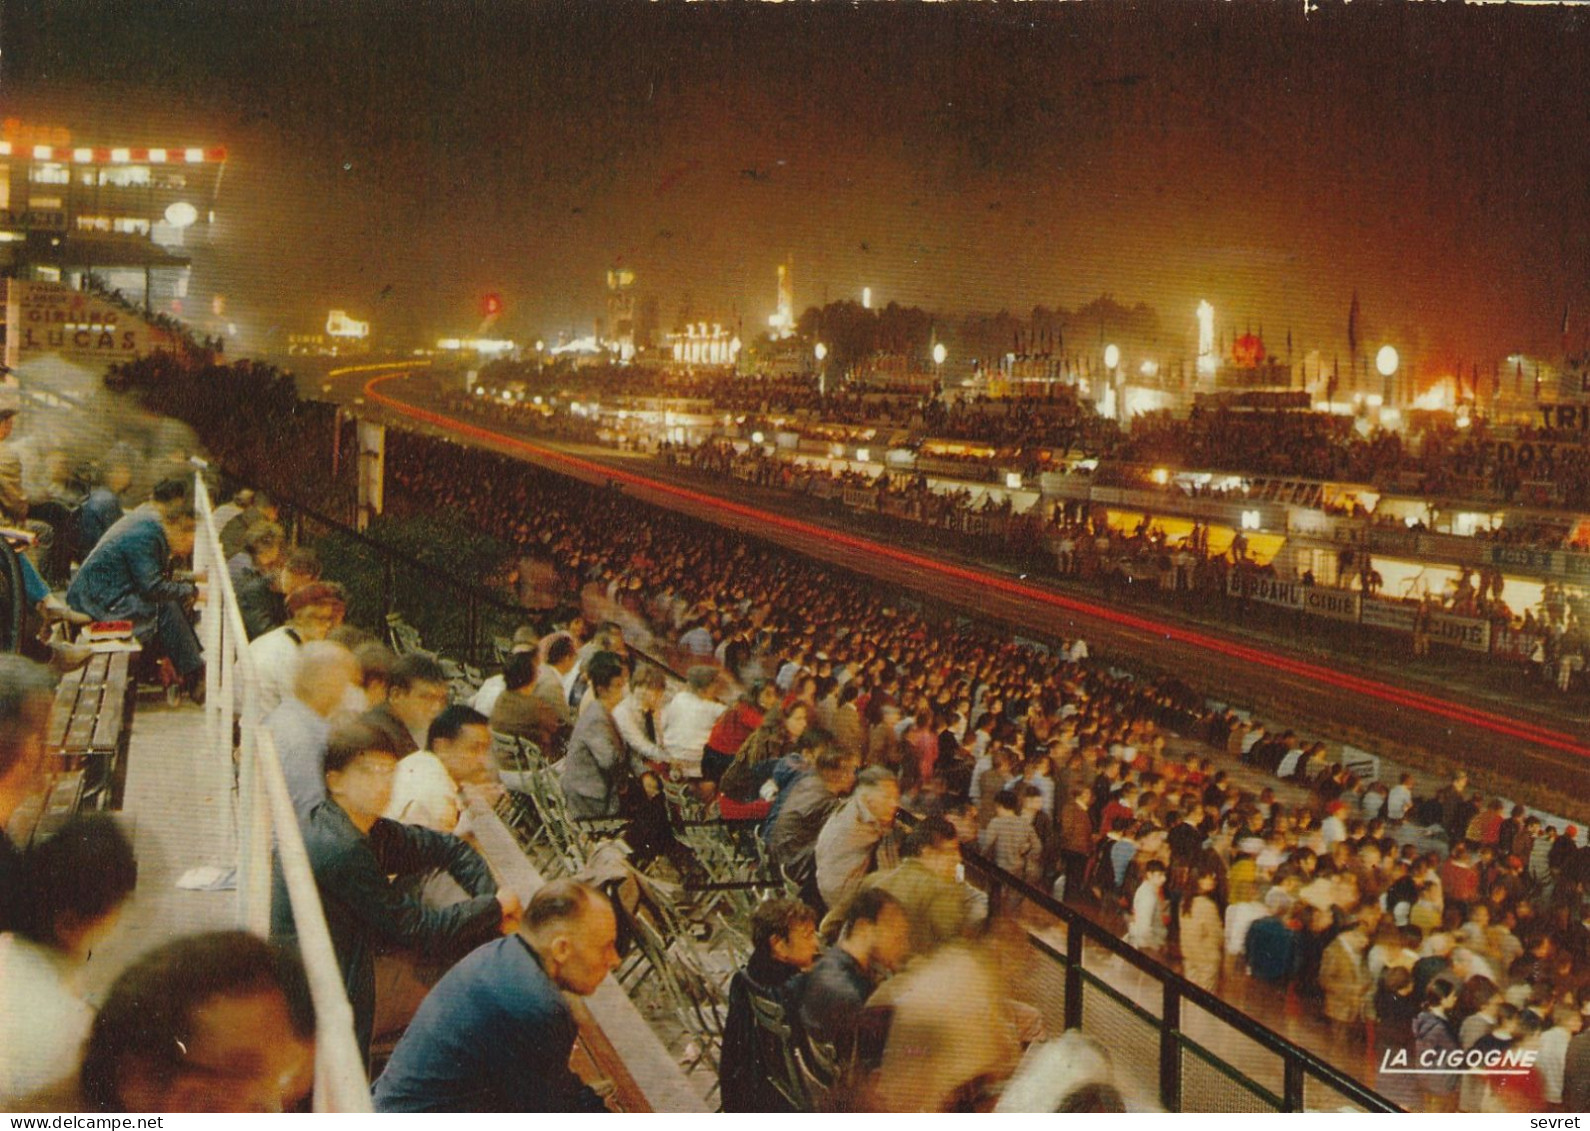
(1432, 157)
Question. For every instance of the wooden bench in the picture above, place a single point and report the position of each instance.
(90, 729)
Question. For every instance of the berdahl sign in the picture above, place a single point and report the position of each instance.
(1338, 604)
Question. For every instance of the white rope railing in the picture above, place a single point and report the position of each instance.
(264, 808)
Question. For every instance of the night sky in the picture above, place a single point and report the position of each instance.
(401, 159)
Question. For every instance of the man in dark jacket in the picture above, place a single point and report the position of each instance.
(355, 853)
(784, 942)
(495, 1033)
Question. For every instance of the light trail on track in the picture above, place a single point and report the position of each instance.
(1407, 699)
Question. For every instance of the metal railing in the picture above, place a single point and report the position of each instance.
(265, 816)
(1203, 1053)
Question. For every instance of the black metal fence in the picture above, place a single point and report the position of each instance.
(1201, 1052)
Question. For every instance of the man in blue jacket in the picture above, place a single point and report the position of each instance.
(126, 578)
(495, 1033)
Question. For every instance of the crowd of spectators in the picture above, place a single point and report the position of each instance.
(975, 730)
(1434, 922)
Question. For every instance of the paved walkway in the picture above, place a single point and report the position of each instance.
(178, 812)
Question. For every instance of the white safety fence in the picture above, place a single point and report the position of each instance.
(265, 817)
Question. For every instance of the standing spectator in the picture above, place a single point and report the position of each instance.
(1203, 934)
(495, 1034)
(935, 901)
(1076, 840)
(1400, 800)
(1345, 983)
(415, 695)
(1146, 930)
(1433, 1032)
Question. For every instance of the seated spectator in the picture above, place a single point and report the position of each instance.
(356, 854)
(376, 661)
(1071, 1074)
(76, 885)
(301, 567)
(874, 940)
(313, 611)
(301, 723)
(235, 533)
(416, 693)
(127, 578)
(689, 717)
(734, 726)
(495, 1034)
(525, 639)
(599, 766)
(209, 1023)
(425, 786)
(521, 712)
(255, 572)
(636, 716)
(556, 673)
(783, 945)
(27, 696)
(792, 831)
(936, 902)
(858, 837)
(103, 507)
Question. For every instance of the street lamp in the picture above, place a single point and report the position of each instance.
(939, 354)
(1112, 356)
(820, 352)
(1386, 363)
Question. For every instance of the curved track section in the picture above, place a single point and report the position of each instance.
(1513, 746)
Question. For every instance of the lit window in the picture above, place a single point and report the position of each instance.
(195, 156)
(50, 174)
(40, 203)
(42, 152)
(121, 156)
(82, 156)
(158, 156)
(1250, 520)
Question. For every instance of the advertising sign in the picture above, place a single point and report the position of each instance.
(45, 319)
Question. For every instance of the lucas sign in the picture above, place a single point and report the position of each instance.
(43, 319)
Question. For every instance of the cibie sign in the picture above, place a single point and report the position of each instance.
(44, 319)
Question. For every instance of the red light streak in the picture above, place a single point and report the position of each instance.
(1346, 681)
